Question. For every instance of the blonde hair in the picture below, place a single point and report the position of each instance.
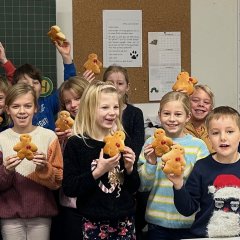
(176, 96)
(85, 120)
(223, 111)
(77, 84)
(207, 90)
(18, 90)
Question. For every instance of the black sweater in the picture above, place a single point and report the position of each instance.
(194, 196)
(133, 124)
(78, 182)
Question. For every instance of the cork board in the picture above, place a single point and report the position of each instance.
(157, 16)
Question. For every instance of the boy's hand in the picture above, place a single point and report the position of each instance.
(176, 180)
(3, 58)
(65, 51)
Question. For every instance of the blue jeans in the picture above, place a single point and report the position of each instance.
(156, 232)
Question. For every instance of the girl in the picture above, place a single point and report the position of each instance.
(3, 117)
(202, 102)
(163, 219)
(132, 117)
(107, 209)
(69, 220)
(27, 202)
(133, 123)
(70, 93)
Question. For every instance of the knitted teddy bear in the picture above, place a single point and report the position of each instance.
(174, 160)
(56, 35)
(114, 144)
(25, 148)
(64, 121)
(184, 83)
(93, 63)
(161, 142)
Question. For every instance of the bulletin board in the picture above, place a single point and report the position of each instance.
(157, 16)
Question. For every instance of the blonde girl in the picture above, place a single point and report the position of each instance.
(163, 219)
(201, 102)
(27, 202)
(107, 208)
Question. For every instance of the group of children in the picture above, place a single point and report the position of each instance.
(98, 193)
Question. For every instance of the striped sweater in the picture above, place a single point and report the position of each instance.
(26, 193)
(160, 208)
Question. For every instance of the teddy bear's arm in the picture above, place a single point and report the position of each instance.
(18, 146)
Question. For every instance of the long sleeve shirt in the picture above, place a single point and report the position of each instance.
(26, 192)
(194, 196)
(92, 202)
(161, 210)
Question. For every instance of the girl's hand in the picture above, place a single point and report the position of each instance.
(65, 51)
(88, 75)
(129, 158)
(150, 155)
(11, 163)
(176, 180)
(63, 135)
(40, 159)
(105, 165)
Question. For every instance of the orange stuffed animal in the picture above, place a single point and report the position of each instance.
(25, 148)
(93, 63)
(56, 35)
(174, 160)
(64, 121)
(161, 142)
(184, 83)
(114, 144)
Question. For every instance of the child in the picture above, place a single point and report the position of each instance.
(132, 118)
(70, 93)
(3, 117)
(202, 101)
(212, 189)
(107, 208)
(27, 202)
(164, 221)
(27, 73)
(133, 123)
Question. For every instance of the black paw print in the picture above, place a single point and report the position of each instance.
(134, 55)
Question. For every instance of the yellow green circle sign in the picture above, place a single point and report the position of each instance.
(47, 87)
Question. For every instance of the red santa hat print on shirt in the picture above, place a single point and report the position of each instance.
(225, 221)
(225, 185)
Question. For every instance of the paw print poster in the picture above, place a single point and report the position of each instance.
(122, 38)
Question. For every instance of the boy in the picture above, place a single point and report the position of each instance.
(48, 106)
(213, 187)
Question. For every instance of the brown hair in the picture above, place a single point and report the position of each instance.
(77, 84)
(29, 70)
(223, 111)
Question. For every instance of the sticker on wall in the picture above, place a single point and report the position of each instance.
(47, 87)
